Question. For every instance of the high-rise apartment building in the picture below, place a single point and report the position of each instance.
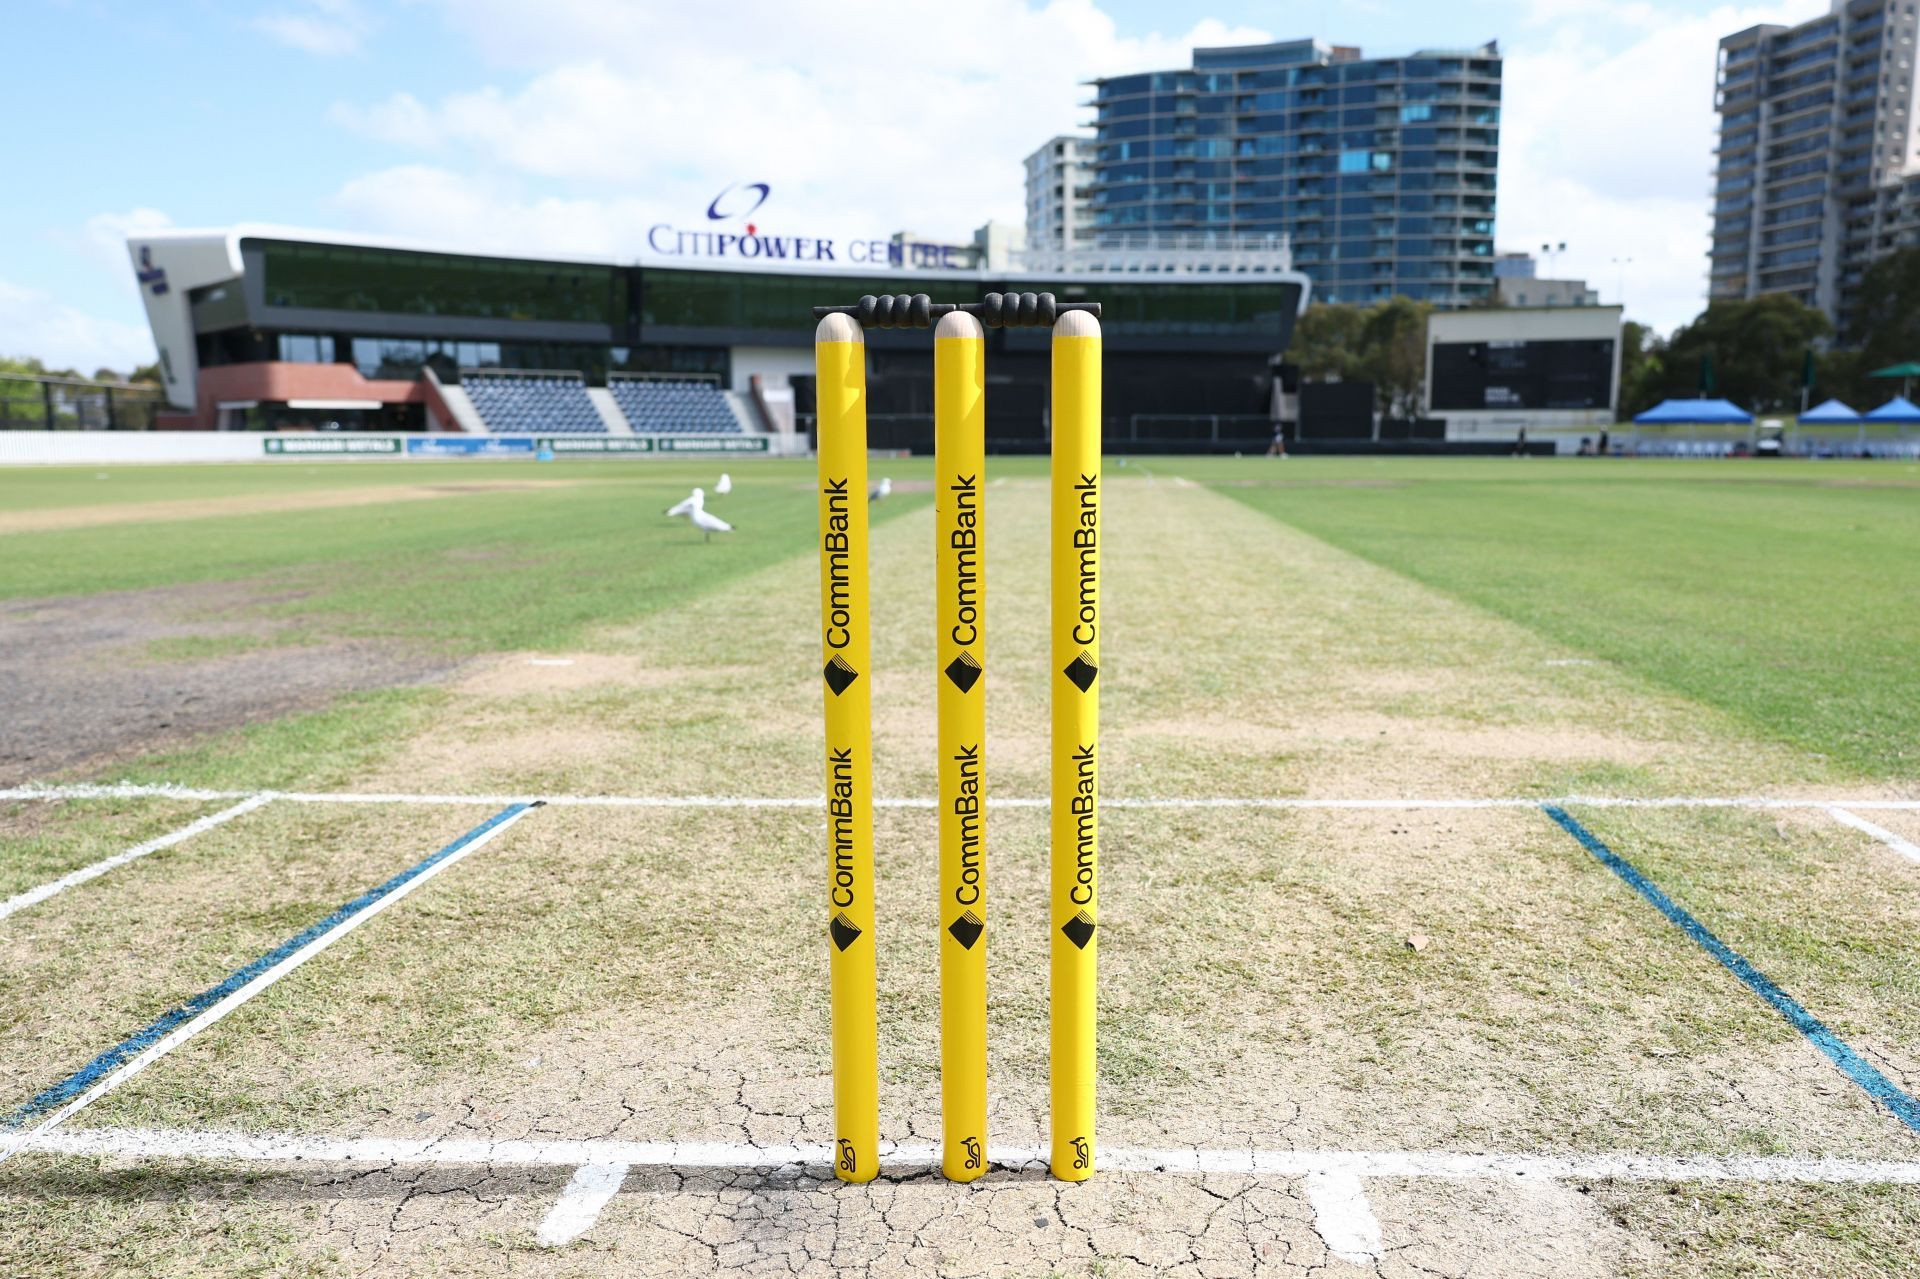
(1815, 120)
(1381, 171)
(1059, 215)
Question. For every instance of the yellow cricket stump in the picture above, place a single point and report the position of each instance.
(959, 431)
(840, 361)
(1075, 914)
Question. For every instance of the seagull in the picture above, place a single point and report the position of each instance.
(880, 490)
(708, 524)
(725, 486)
(694, 501)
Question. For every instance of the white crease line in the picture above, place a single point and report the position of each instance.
(1383, 803)
(579, 1206)
(137, 1143)
(214, 1012)
(123, 790)
(1899, 844)
(74, 878)
(1343, 1217)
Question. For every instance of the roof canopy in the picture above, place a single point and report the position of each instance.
(1909, 369)
(1898, 409)
(1715, 412)
(1831, 411)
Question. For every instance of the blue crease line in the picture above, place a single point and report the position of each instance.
(1856, 1067)
(132, 1046)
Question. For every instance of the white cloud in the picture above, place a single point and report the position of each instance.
(64, 335)
(103, 239)
(34, 323)
(1607, 139)
(864, 117)
(324, 28)
(868, 117)
(871, 117)
(493, 213)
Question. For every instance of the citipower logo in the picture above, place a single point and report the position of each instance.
(742, 199)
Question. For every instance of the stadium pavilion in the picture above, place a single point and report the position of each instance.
(264, 328)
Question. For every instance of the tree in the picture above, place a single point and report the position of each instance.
(1756, 348)
(1643, 365)
(1326, 342)
(1886, 318)
(1394, 346)
(1385, 344)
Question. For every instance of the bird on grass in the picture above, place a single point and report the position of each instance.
(880, 490)
(725, 486)
(708, 523)
(694, 501)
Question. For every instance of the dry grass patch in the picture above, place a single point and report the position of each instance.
(41, 840)
(201, 508)
(1302, 670)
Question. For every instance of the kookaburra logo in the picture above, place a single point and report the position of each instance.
(1081, 1156)
(972, 1147)
(848, 1162)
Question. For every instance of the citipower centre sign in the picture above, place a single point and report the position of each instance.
(738, 204)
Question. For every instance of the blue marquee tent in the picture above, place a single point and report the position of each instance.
(1710, 412)
(1830, 412)
(1898, 409)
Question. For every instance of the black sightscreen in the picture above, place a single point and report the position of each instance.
(1568, 374)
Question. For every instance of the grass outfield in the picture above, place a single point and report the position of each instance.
(1378, 984)
(1780, 591)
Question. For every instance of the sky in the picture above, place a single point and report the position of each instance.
(571, 126)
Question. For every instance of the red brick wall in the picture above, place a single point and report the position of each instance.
(277, 381)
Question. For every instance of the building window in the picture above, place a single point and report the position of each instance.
(306, 348)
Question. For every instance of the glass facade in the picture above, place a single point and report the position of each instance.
(748, 300)
(381, 310)
(679, 310)
(1382, 171)
(326, 277)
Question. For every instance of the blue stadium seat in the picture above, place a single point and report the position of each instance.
(536, 405)
(692, 408)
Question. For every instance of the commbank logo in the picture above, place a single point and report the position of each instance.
(967, 929)
(843, 931)
(1079, 929)
(964, 671)
(839, 674)
(1081, 671)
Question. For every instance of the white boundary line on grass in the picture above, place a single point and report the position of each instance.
(1899, 844)
(234, 999)
(133, 790)
(593, 1186)
(34, 896)
(139, 1143)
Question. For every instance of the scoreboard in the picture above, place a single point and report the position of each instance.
(1519, 374)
